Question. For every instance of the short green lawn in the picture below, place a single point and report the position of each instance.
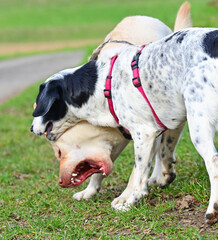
(58, 20)
(33, 206)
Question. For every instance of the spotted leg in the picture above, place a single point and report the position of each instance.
(201, 101)
(93, 187)
(164, 172)
(202, 137)
(144, 146)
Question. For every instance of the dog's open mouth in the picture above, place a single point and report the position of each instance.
(48, 128)
(85, 169)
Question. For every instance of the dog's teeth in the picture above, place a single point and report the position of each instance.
(101, 169)
(74, 174)
(103, 174)
(72, 181)
(77, 180)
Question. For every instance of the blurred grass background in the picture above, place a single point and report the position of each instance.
(61, 20)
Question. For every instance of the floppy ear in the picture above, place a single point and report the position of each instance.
(48, 93)
(81, 84)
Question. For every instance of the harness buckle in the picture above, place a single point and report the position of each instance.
(134, 64)
(107, 93)
(136, 81)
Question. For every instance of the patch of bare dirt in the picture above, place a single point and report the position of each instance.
(16, 48)
(213, 3)
(190, 214)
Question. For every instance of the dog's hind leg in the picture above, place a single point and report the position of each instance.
(164, 172)
(201, 101)
(202, 136)
(93, 187)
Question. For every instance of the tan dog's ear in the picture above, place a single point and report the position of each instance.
(34, 106)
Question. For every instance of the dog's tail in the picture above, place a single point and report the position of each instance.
(183, 17)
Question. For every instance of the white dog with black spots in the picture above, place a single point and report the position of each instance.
(180, 77)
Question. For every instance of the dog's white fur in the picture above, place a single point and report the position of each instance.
(139, 119)
(179, 74)
(163, 172)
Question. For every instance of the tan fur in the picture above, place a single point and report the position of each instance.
(183, 19)
(137, 31)
(85, 141)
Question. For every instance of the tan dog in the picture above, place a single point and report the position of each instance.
(85, 149)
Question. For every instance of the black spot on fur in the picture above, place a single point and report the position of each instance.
(162, 139)
(192, 90)
(181, 37)
(205, 79)
(180, 34)
(173, 35)
(169, 140)
(210, 44)
(197, 141)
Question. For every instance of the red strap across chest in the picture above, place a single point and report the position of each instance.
(136, 82)
(107, 90)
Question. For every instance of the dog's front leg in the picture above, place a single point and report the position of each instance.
(93, 187)
(144, 140)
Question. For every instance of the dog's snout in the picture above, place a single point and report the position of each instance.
(60, 182)
(31, 128)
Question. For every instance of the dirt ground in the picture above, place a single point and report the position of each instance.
(18, 48)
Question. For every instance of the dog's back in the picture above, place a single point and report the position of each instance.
(139, 30)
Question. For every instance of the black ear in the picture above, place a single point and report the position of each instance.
(48, 93)
(81, 84)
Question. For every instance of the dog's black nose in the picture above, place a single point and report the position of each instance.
(31, 128)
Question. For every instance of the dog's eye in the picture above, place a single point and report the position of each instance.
(59, 153)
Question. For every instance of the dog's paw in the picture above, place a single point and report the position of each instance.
(85, 194)
(120, 204)
(124, 203)
(163, 179)
(211, 218)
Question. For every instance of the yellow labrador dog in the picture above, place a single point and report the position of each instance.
(86, 150)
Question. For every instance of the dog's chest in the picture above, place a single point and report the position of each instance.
(158, 81)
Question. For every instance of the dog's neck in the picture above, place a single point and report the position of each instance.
(97, 104)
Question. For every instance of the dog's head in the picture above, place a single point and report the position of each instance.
(68, 88)
(86, 149)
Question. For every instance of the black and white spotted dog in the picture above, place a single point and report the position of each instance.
(179, 75)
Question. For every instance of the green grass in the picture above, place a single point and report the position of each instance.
(33, 206)
(58, 20)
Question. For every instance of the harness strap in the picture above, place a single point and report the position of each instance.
(107, 90)
(137, 83)
(107, 94)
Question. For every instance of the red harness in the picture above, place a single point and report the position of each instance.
(136, 82)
